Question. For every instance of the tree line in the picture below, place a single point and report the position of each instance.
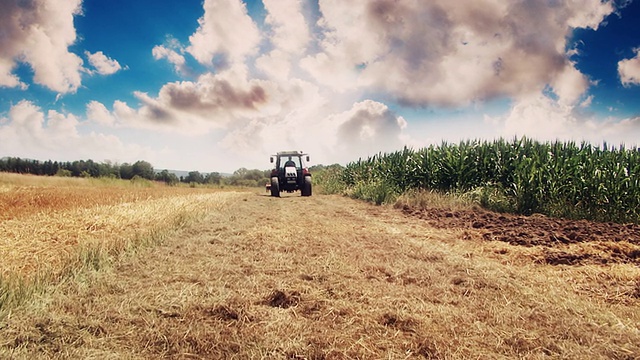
(78, 168)
(128, 171)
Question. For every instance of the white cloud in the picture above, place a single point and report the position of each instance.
(276, 64)
(588, 13)
(7, 79)
(615, 132)
(214, 101)
(99, 114)
(629, 70)
(546, 119)
(538, 116)
(289, 37)
(329, 72)
(366, 129)
(444, 53)
(39, 33)
(103, 64)
(587, 102)
(28, 132)
(177, 60)
(225, 30)
(569, 84)
(290, 29)
(295, 122)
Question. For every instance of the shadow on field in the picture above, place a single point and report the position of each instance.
(285, 196)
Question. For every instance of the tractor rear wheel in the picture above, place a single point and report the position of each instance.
(306, 186)
(275, 187)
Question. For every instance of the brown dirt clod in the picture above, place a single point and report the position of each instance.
(281, 299)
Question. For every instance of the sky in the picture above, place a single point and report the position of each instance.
(217, 85)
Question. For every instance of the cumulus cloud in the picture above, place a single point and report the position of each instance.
(275, 64)
(295, 122)
(543, 118)
(629, 70)
(569, 85)
(290, 29)
(103, 64)
(7, 79)
(613, 131)
(289, 37)
(37, 135)
(213, 101)
(99, 114)
(366, 129)
(226, 31)
(39, 33)
(540, 117)
(173, 57)
(444, 53)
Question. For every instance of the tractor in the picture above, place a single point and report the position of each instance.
(290, 173)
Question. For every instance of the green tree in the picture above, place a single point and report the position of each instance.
(167, 177)
(126, 171)
(143, 169)
(251, 178)
(213, 178)
(194, 177)
(106, 169)
(63, 173)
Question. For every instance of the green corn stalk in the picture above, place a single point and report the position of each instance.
(554, 178)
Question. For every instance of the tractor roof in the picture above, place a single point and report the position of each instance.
(290, 153)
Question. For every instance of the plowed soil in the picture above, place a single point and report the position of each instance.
(327, 277)
(611, 242)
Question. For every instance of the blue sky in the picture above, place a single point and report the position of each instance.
(216, 85)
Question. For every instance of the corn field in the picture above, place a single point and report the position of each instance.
(524, 176)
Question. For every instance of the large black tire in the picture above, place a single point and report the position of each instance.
(275, 187)
(306, 186)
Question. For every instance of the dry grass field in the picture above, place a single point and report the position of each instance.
(324, 277)
(51, 227)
